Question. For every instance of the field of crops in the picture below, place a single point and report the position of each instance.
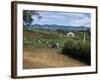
(70, 46)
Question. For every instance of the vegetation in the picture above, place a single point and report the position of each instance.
(78, 50)
(28, 17)
(71, 46)
(43, 38)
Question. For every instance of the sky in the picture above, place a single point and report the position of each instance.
(63, 18)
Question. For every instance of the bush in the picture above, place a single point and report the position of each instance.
(78, 50)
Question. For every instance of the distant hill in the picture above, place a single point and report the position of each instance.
(56, 27)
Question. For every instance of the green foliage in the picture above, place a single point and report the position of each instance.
(29, 42)
(78, 50)
(62, 31)
(28, 17)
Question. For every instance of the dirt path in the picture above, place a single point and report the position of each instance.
(45, 58)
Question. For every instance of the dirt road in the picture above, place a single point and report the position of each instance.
(47, 58)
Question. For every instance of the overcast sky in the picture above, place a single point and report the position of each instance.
(64, 18)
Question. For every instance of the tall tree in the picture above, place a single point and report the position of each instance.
(28, 17)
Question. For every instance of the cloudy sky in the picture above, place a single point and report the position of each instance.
(63, 18)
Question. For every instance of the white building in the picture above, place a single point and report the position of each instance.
(70, 34)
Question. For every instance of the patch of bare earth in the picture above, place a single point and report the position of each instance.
(47, 58)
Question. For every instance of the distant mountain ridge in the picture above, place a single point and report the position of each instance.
(56, 27)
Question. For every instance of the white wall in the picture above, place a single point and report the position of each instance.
(5, 40)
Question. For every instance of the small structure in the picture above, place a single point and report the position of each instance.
(70, 34)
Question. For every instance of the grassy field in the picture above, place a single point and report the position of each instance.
(73, 47)
(31, 38)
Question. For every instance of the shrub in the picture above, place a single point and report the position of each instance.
(78, 50)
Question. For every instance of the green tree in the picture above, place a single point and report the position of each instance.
(28, 17)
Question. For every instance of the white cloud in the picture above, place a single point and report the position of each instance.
(62, 18)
